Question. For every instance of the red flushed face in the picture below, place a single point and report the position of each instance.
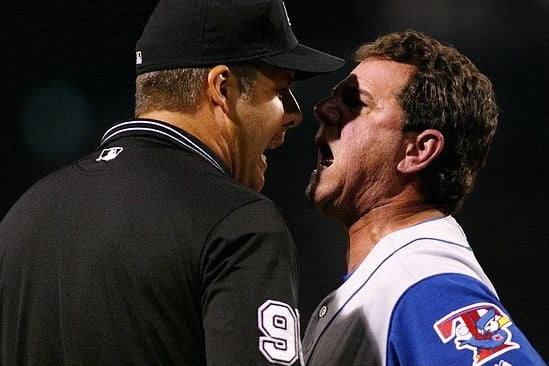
(360, 140)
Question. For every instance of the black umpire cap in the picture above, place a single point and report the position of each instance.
(203, 33)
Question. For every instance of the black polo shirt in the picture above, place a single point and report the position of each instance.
(146, 252)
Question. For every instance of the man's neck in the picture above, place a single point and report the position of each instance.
(378, 223)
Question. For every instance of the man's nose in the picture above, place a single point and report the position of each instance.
(326, 111)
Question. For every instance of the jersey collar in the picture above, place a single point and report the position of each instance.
(144, 127)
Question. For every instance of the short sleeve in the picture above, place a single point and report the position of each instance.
(249, 272)
(453, 319)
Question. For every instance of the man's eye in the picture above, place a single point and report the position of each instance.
(352, 100)
(354, 103)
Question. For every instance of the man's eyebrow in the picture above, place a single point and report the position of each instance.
(366, 93)
(350, 85)
(354, 90)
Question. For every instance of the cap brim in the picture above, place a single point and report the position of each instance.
(305, 61)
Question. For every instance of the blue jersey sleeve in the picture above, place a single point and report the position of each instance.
(453, 319)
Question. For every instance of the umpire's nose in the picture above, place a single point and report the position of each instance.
(292, 111)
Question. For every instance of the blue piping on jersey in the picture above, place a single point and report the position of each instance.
(347, 276)
(374, 271)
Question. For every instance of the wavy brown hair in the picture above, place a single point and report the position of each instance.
(447, 93)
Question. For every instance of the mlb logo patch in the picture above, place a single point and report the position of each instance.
(109, 154)
(481, 328)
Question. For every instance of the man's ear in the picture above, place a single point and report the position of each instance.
(421, 150)
(217, 86)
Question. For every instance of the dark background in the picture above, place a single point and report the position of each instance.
(67, 72)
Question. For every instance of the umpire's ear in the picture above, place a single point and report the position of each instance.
(421, 148)
(220, 81)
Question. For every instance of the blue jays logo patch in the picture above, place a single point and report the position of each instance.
(481, 328)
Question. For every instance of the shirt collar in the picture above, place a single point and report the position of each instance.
(165, 131)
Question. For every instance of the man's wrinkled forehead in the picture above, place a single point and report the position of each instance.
(377, 77)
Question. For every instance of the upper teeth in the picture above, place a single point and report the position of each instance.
(326, 162)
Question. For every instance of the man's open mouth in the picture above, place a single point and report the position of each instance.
(325, 156)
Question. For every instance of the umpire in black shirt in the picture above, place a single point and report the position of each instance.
(157, 249)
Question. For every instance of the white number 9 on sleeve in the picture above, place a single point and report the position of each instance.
(279, 323)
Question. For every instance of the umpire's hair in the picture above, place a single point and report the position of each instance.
(180, 90)
(447, 93)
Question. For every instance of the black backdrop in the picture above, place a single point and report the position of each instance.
(67, 73)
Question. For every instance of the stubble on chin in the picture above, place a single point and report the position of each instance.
(321, 197)
(311, 188)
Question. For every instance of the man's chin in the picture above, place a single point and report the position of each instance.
(311, 195)
(258, 179)
(310, 190)
(258, 184)
(320, 200)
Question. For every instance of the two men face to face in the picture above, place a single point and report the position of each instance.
(360, 139)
